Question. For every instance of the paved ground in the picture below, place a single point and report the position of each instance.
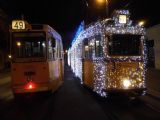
(153, 82)
(82, 104)
(153, 89)
(70, 102)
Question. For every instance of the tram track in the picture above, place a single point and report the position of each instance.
(132, 110)
(113, 109)
(120, 108)
(111, 114)
(152, 102)
(103, 102)
(100, 100)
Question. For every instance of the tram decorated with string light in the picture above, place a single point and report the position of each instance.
(109, 56)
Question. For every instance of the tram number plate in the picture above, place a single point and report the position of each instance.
(18, 24)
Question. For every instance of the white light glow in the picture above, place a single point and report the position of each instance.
(9, 56)
(126, 83)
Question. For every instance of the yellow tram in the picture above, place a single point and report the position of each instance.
(110, 55)
(37, 62)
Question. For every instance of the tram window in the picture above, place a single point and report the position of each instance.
(124, 45)
(91, 47)
(61, 50)
(86, 49)
(58, 49)
(29, 45)
(53, 42)
(53, 45)
(50, 50)
(98, 46)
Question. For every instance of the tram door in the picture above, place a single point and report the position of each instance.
(87, 63)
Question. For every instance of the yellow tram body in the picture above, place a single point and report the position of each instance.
(37, 62)
(110, 55)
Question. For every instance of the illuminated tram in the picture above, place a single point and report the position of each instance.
(109, 56)
(37, 62)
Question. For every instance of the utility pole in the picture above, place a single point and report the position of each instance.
(107, 8)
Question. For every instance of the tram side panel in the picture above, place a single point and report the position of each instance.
(55, 64)
(55, 75)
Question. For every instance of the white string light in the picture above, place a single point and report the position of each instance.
(104, 76)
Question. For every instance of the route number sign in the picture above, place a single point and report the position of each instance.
(122, 19)
(18, 24)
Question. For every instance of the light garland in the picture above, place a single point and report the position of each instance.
(99, 77)
(105, 77)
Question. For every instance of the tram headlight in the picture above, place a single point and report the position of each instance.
(126, 83)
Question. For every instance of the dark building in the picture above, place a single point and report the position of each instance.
(4, 39)
(154, 46)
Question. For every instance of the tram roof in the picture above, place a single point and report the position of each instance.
(53, 32)
(33, 27)
(112, 25)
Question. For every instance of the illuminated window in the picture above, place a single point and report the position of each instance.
(86, 49)
(29, 45)
(52, 49)
(91, 47)
(98, 46)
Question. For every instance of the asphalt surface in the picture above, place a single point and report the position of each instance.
(76, 103)
(71, 101)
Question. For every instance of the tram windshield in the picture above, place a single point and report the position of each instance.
(29, 45)
(124, 45)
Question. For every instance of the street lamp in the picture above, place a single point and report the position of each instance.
(86, 9)
(141, 23)
(107, 5)
(100, 1)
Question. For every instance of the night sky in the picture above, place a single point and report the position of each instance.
(65, 15)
